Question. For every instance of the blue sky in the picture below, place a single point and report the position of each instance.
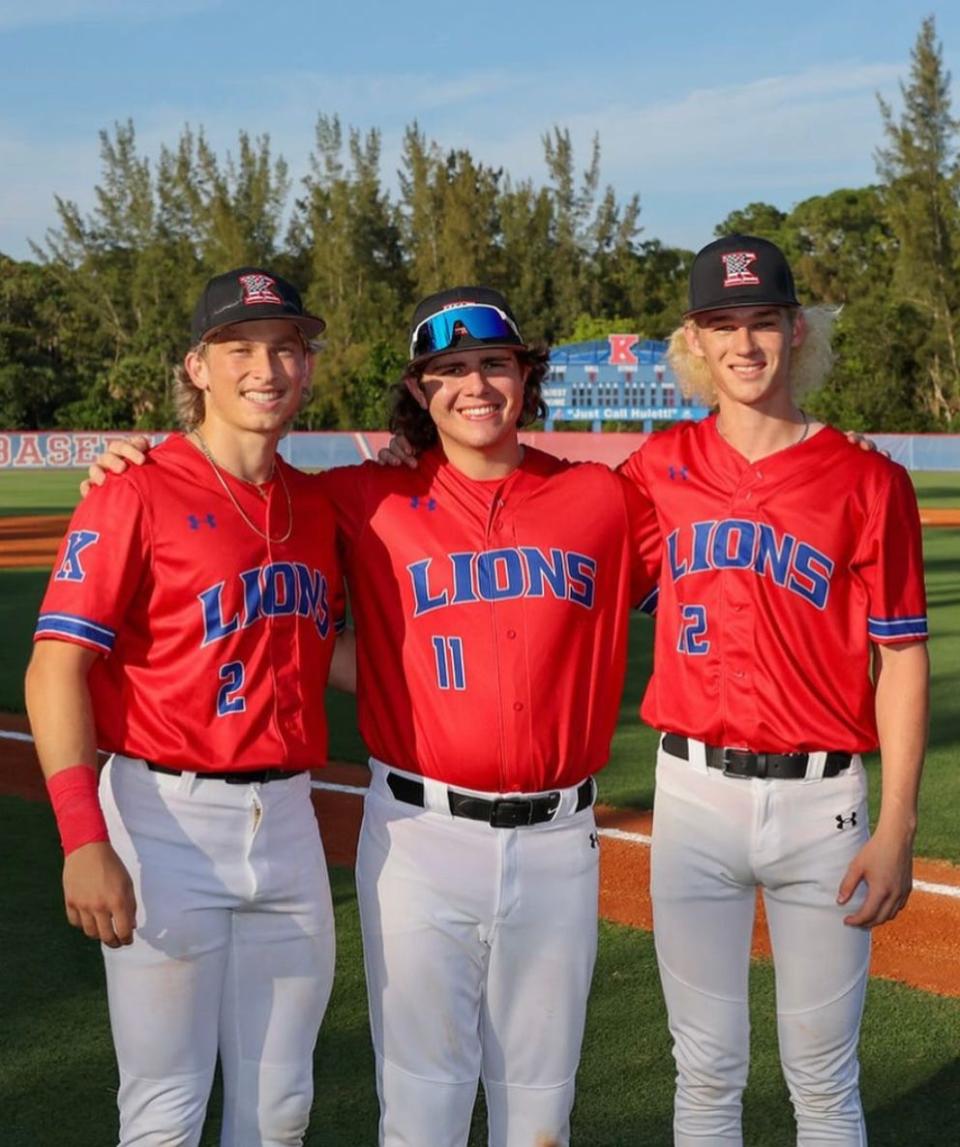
(701, 107)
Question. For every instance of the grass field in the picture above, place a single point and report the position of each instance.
(58, 1078)
(57, 1073)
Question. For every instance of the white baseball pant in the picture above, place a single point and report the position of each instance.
(233, 954)
(479, 945)
(715, 840)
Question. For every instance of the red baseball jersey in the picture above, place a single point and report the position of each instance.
(776, 578)
(492, 615)
(216, 643)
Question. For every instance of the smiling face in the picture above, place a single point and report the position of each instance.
(747, 350)
(253, 376)
(475, 398)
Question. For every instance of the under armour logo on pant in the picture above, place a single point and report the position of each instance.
(843, 821)
(594, 839)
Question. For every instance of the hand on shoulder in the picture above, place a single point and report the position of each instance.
(119, 454)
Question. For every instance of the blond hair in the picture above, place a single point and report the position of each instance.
(810, 362)
(188, 403)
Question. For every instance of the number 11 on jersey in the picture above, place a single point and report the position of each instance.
(449, 654)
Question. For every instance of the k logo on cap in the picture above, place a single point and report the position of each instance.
(739, 274)
(740, 271)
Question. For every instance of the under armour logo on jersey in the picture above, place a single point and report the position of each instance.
(843, 821)
(71, 568)
(594, 839)
(677, 472)
(416, 502)
(195, 523)
(737, 267)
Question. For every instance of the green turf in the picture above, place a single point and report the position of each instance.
(58, 1078)
(20, 594)
(937, 489)
(39, 491)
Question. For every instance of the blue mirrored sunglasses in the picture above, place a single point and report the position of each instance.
(479, 320)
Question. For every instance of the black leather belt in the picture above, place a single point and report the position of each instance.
(237, 777)
(740, 763)
(501, 812)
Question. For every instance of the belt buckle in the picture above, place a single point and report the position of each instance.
(510, 812)
(743, 774)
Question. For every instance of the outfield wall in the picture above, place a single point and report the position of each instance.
(60, 450)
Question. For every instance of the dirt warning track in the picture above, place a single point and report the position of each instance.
(30, 541)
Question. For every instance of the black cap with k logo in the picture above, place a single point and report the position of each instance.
(247, 294)
(740, 271)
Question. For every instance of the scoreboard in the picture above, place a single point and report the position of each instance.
(621, 378)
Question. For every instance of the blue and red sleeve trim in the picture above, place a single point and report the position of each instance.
(897, 628)
(69, 627)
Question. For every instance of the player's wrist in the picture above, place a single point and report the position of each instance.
(76, 806)
(900, 827)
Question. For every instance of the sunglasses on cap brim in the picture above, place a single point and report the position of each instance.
(481, 321)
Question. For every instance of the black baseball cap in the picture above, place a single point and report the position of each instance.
(740, 271)
(247, 294)
(462, 318)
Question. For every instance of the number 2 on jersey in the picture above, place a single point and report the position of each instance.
(231, 674)
(693, 629)
(449, 655)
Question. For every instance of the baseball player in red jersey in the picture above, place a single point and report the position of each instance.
(790, 629)
(490, 590)
(187, 628)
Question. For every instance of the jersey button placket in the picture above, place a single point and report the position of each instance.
(512, 663)
(283, 632)
(738, 609)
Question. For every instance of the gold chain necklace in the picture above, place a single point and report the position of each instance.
(205, 450)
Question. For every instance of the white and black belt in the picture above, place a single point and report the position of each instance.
(742, 763)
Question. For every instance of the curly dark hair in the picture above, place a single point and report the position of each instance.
(408, 418)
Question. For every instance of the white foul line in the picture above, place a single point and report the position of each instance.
(613, 833)
(936, 889)
(630, 837)
(328, 786)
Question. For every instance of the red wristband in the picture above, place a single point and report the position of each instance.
(73, 794)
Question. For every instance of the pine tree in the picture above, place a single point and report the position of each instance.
(918, 168)
(347, 232)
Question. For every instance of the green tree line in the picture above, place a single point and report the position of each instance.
(91, 328)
